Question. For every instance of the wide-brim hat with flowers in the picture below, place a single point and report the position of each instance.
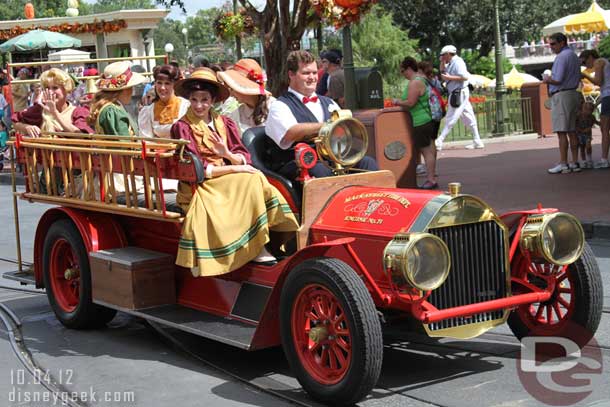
(245, 77)
(118, 76)
(201, 75)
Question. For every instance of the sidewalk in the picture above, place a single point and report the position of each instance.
(511, 173)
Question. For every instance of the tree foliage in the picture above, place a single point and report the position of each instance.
(469, 23)
(386, 55)
(483, 65)
(104, 6)
(604, 47)
(14, 9)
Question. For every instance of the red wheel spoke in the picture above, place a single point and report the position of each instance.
(344, 345)
(557, 311)
(313, 347)
(565, 290)
(539, 312)
(324, 358)
(563, 302)
(338, 355)
(333, 310)
(311, 316)
(332, 357)
(319, 308)
(549, 314)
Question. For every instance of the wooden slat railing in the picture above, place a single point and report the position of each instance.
(103, 172)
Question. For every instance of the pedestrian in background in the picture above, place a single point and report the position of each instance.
(601, 77)
(417, 102)
(336, 77)
(563, 82)
(584, 126)
(455, 74)
(21, 91)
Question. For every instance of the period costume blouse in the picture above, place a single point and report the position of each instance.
(35, 116)
(156, 119)
(228, 218)
(242, 115)
(113, 119)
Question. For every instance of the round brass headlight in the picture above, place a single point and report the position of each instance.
(556, 238)
(343, 141)
(420, 259)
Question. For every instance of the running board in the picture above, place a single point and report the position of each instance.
(23, 277)
(225, 330)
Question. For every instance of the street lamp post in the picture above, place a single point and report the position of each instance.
(348, 69)
(169, 48)
(501, 111)
(185, 31)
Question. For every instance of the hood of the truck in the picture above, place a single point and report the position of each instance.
(379, 211)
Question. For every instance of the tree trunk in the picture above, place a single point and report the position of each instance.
(282, 26)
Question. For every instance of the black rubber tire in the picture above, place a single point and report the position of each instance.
(588, 293)
(367, 341)
(87, 314)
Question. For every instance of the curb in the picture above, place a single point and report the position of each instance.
(5, 178)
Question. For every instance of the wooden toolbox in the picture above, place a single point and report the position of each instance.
(132, 277)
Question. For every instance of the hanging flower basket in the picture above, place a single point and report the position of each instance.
(229, 25)
(340, 13)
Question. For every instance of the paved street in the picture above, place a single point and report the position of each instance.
(129, 363)
(511, 173)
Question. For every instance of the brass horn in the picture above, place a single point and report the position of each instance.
(343, 141)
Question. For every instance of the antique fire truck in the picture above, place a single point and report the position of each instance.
(366, 253)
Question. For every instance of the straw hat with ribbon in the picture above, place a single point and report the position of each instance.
(199, 76)
(246, 77)
(118, 76)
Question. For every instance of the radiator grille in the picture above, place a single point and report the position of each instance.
(478, 271)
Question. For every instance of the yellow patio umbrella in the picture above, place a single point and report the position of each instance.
(595, 19)
(514, 79)
(592, 20)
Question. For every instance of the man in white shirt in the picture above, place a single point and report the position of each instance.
(298, 115)
(455, 74)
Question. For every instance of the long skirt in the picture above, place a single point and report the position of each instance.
(228, 221)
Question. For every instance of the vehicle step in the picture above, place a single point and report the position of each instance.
(23, 277)
(225, 330)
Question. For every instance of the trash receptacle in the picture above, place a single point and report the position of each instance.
(369, 88)
(541, 116)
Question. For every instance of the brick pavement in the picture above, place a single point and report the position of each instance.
(511, 173)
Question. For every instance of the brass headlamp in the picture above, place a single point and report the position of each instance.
(421, 260)
(343, 141)
(556, 238)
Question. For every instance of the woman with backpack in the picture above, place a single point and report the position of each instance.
(417, 101)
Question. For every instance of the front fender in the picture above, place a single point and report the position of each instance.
(268, 330)
(98, 231)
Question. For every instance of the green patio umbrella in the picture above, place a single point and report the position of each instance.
(39, 39)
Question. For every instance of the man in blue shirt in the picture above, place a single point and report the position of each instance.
(564, 79)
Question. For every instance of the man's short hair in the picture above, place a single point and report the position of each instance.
(199, 61)
(333, 56)
(295, 58)
(559, 37)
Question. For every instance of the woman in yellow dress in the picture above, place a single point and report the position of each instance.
(230, 214)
